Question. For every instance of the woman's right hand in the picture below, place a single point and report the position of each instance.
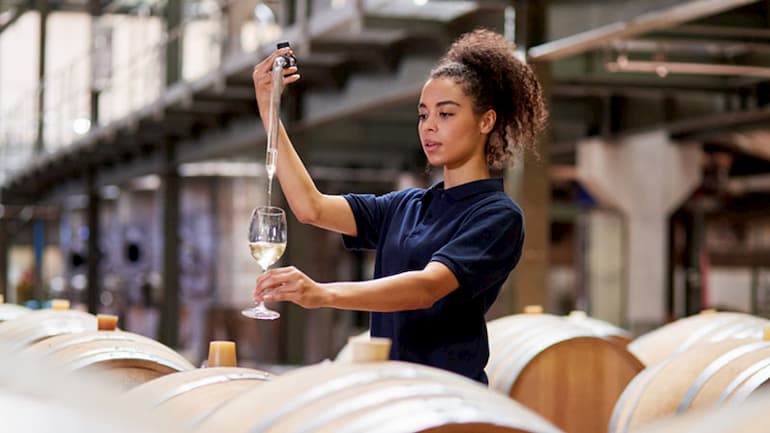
(263, 77)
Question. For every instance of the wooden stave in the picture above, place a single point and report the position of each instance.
(331, 382)
(691, 365)
(41, 397)
(123, 357)
(12, 311)
(747, 417)
(51, 346)
(535, 338)
(41, 324)
(177, 394)
(688, 332)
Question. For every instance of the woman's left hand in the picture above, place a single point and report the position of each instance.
(289, 284)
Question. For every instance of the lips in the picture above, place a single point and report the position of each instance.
(431, 145)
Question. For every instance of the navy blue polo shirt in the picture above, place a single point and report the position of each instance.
(474, 229)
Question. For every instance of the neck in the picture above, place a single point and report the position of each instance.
(465, 173)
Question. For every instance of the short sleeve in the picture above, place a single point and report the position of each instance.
(370, 213)
(487, 248)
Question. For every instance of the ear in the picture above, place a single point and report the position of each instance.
(487, 121)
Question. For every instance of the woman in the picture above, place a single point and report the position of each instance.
(443, 252)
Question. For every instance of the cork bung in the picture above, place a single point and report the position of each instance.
(107, 322)
(60, 304)
(222, 354)
(533, 309)
(370, 349)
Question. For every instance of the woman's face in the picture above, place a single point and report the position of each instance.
(450, 133)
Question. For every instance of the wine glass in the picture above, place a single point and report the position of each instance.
(267, 241)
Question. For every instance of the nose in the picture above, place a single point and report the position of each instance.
(428, 124)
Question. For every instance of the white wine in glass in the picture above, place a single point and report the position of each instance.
(267, 242)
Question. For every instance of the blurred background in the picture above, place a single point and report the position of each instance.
(132, 154)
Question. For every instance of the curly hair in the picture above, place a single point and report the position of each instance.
(483, 63)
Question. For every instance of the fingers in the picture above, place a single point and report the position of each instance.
(273, 281)
(265, 66)
(287, 284)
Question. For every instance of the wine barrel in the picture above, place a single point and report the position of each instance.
(128, 358)
(728, 371)
(689, 332)
(191, 396)
(748, 417)
(570, 374)
(41, 324)
(389, 396)
(600, 327)
(12, 311)
(40, 397)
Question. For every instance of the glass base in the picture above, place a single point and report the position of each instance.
(261, 312)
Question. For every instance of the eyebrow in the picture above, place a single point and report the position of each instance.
(439, 104)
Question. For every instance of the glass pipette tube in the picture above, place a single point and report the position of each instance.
(271, 156)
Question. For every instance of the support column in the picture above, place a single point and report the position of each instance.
(38, 248)
(693, 281)
(174, 47)
(531, 275)
(42, 8)
(646, 177)
(169, 317)
(93, 290)
(95, 8)
(5, 244)
(604, 265)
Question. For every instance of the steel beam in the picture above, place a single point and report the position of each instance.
(649, 22)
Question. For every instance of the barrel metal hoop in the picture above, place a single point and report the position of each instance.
(356, 378)
(206, 381)
(112, 354)
(85, 339)
(714, 367)
(738, 330)
(499, 353)
(752, 385)
(703, 331)
(427, 414)
(643, 380)
(512, 340)
(54, 326)
(745, 374)
(546, 340)
(375, 398)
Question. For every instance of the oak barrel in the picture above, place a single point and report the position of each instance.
(41, 324)
(40, 397)
(12, 311)
(710, 374)
(570, 374)
(395, 397)
(600, 327)
(128, 358)
(748, 417)
(689, 332)
(191, 396)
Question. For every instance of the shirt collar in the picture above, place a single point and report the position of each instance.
(466, 190)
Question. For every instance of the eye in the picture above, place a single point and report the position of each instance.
(445, 115)
(421, 117)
